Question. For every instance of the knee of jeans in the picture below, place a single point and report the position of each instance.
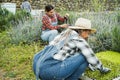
(55, 32)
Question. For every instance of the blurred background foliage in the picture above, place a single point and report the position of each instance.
(8, 19)
(73, 5)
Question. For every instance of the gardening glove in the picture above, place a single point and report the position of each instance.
(105, 70)
(92, 68)
(64, 25)
(67, 15)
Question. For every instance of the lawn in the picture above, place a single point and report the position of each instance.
(16, 61)
(111, 60)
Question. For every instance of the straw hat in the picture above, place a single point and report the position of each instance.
(83, 23)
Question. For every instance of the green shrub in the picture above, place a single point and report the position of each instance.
(119, 17)
(5, 18)
(8, 19)
(20, 15)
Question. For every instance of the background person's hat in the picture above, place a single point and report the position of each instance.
(83, 23)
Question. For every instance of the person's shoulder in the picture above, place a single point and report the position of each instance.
(75, 36)
(74, 32)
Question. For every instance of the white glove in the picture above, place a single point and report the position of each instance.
(105, 70)
(92, 68)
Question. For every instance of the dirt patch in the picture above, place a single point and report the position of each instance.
(2, 73)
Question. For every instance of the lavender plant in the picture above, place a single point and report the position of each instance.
(116, 38)
(26, 32)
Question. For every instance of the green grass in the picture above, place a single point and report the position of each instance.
(111, 60)
(16, 61)
(113, 57)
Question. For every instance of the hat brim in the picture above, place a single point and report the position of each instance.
(76, 27)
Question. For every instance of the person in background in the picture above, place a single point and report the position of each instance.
(50, 23)
(26, 6)
(74, 57)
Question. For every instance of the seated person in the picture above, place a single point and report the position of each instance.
(50, 24)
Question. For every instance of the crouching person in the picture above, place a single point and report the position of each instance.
(71, 61)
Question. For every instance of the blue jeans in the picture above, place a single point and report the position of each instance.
(49, 35)
(69, 69)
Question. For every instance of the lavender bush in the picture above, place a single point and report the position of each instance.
(25, 32)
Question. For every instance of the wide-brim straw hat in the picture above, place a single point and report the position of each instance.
(82, 23)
